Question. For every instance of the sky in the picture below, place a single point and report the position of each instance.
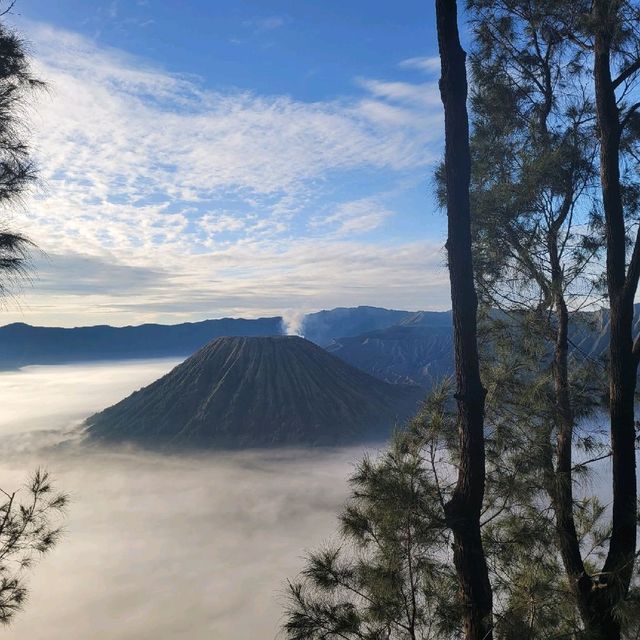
(201, 159)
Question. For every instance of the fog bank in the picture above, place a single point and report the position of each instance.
(159, 546)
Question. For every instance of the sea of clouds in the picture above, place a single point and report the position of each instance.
(159, 546)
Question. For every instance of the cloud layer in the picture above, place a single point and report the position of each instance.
(173, 194)
(160, 546)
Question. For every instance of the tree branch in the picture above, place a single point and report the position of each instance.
(630, 111)
(634, 67)
(8, 9)
(636, 349)
(633, 272)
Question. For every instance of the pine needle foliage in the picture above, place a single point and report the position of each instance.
(29, 528)
(18, 170)
(29, 519)
(390, 573)
(539, 252)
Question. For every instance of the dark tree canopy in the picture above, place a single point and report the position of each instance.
(554, 202)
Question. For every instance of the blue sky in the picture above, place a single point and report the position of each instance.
(202, 159)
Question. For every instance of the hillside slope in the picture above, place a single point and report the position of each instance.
(418, 350)
(256, 392)
(323, 327)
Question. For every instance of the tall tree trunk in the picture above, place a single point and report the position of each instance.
(618, 567)
(464, 509)
(561, 490)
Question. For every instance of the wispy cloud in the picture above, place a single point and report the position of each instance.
(428, 64)
(148, 170)
(357, 216)
(403, 92)
(268, 23)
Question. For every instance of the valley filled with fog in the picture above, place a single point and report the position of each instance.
(159, 546)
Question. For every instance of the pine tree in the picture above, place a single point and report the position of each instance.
(615, 36)
(17, 168)
(534, 170)
(390, 572)
(463, 508)
(534, 176)
(28, 518)
(546, 218)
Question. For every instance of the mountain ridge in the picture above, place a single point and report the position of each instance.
(392, 345)
(239, 392)
(22, 344)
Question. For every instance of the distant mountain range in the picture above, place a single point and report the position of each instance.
(417, 350)
(392, 345)
(256, 392)
(23, 344)
(323, 327)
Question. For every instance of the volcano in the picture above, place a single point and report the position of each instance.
(243, 392)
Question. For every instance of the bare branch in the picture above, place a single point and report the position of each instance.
(8, 9)
(633, 68)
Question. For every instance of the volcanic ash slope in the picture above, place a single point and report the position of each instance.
(257, 392)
